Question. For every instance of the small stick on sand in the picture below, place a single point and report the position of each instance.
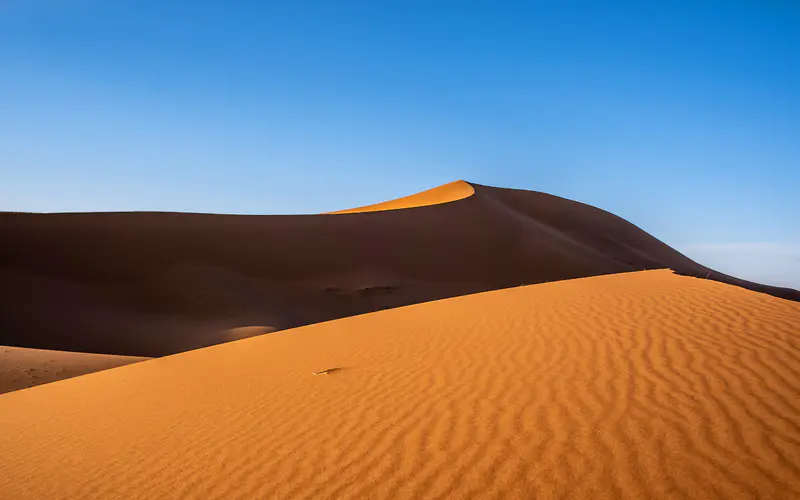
(326, 371)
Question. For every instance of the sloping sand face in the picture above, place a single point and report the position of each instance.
(637, 385)
(21, 368)
(152, 284)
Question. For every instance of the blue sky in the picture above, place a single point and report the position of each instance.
(680, 116)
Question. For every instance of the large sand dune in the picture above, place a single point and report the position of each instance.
(150, 284)
(636, 385)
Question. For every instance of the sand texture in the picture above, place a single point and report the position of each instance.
(151, 284)
(635, 385)
(21, 368)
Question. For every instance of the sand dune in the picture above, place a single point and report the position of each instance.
(150, 284)
(21, 368)
(636, 385)
(453, 191)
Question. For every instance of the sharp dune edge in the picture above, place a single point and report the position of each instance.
(152, 284)
(635, 385)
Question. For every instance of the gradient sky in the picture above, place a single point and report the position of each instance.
(680, 116)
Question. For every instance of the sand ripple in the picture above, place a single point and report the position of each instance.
(640, 385)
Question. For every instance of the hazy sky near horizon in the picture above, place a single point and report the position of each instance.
(680, 116)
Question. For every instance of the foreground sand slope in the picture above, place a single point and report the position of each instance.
(21, 368)
(150, 284)
(638, 385)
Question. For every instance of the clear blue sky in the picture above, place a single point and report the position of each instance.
(681, 116)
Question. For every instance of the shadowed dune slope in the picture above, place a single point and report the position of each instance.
(636, 385)
(21, 368)
(442, 194)
(150, 284)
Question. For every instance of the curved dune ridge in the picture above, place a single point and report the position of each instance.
(636, 385)
(446, 193)
(153, 284)
(21, 368)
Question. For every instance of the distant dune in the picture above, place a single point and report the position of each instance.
(151, 284)
(21, 368)
(631, 386)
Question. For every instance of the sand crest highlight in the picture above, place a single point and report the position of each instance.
(446, 193)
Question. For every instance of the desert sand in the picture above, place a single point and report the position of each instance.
(151, 284)
(634, 385)
(21, 368)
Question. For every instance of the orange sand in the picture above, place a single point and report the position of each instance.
(637, 385)
(446, 193)
(21, 368)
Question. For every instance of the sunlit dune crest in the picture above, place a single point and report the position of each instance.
(446, 193)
